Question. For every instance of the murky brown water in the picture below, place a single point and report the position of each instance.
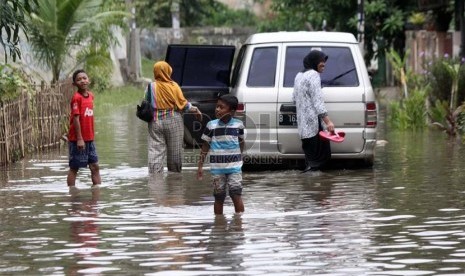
(406, 216)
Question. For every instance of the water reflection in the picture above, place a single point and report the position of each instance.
(225, 237)
(167, 189)
(84, 231)
(406, 216)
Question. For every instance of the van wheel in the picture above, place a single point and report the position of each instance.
(188, 139)
(369, 162)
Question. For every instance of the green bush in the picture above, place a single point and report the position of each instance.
(409, 113)
(100, 79)
(99, 68)
(451, 121)
(12, 82)
(440, 80)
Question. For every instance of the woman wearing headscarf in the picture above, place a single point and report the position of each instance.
(311, 111)
(166, 131)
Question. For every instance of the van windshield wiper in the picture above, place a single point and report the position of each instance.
(339, 76)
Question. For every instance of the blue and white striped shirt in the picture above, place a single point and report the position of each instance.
(225, 152)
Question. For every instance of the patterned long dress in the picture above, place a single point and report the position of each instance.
(310, 106)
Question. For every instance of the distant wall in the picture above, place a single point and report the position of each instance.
(153, 43)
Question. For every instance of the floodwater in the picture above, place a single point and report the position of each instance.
(404, 216)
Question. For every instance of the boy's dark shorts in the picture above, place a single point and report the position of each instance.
(82, 158)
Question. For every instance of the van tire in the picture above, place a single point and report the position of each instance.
(188, 139)
(369, 162)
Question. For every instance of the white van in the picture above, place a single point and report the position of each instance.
(263, 80)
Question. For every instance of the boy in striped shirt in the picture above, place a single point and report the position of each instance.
(224, 138)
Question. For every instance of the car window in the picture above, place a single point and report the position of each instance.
(262, 69)
(201, 65)
(238, 65)
(340, 67)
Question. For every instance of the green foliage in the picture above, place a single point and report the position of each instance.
(99, 67)
(12, 82)
(61, 30)
(117, 97)
(147, 68)
(417, 18)
(193, 13)
(400, 72)
(221, 15)
(393, 24)
(409, 113)
(383, 20)
(445, 94)
(292, 15)
(447, 112)
(12, 20)
(440, 81)
(447, 119)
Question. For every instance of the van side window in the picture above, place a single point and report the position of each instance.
(262, 69)
(340, 69)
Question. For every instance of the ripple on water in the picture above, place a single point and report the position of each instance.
(98, 270)
(381, 221)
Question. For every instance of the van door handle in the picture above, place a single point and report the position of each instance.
(288, 108)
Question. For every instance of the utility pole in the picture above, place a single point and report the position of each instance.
(361, 25)
(176, 21)
(133, 56)
(460, 25)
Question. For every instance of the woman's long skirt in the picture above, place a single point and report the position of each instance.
(317, 151)
(166, 139)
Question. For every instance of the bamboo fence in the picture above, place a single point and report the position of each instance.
(34, 122)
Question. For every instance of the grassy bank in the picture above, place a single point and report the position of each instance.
(119, 96)
(147, 68)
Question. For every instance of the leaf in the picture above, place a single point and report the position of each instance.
(439, 125)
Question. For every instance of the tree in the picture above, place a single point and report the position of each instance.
(384, 25)
(193, 13)
(297, 15)
(78, 30)
(12, 21)
(384, 20)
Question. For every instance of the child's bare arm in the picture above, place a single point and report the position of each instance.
(77, 127)
(203, 153)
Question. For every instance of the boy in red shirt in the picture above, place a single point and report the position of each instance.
(82, 150)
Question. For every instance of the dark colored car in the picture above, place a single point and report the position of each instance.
(203, 72)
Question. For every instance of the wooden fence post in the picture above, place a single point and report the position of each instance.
(6, 135)
(21, 129)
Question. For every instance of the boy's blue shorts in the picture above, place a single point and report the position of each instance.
(82, 158)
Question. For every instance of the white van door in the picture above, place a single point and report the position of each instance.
(257, 92)
(343, 91)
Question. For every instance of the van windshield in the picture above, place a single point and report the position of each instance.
(340, 68)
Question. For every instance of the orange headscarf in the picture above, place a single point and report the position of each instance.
(168, 94)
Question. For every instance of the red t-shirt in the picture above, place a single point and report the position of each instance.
(84, 107)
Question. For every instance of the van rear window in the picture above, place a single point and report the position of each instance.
(262, 69)
(340, 68)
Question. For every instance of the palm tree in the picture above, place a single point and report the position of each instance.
(12, 20)
(74, 32)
